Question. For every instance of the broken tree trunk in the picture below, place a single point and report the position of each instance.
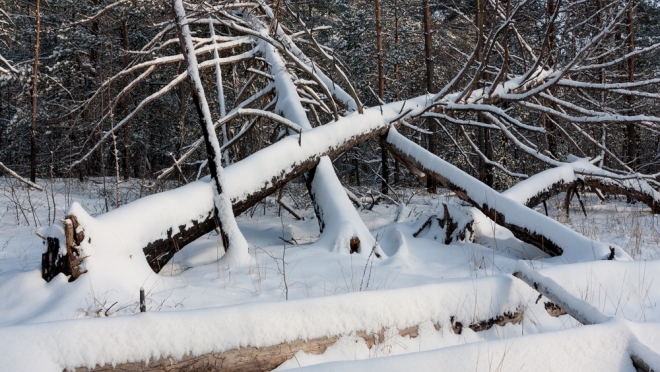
(52, 262)
(542, 232)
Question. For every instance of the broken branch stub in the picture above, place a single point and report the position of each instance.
(53, 262)
(451, 227)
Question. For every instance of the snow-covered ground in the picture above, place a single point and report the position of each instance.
(297, 288)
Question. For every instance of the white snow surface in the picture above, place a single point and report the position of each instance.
(197, 304)
(87, 342)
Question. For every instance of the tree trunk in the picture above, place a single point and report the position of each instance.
(484, 136)
(35, 65)
(126, 160)
(631, 135)
(232, 238)
(385, 173)
(431, 184)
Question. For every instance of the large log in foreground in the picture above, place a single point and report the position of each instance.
(253, 359)
(642, 357)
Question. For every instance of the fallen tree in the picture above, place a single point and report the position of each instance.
(242, 338)
(538, 230)
(162, 233)
(270, 170)
(581, 173)
(642, 357)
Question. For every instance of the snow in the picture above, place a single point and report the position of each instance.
(593, 348)
(197, 305)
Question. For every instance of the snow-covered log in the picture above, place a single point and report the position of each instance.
(584, 312)
(158, 226)
(581, 172)
(579, 309)
(252, 332)
(527, 225)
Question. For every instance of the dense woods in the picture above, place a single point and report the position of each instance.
(71, 71)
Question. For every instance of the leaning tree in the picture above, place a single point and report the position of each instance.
(273, 104)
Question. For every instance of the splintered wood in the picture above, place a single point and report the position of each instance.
(53, 263)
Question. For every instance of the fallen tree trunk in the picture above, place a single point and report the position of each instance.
(171, 220)
(252, 331)
(249, 359)
(580, 172)
(542, 232)
(583, 312)
(448, 305)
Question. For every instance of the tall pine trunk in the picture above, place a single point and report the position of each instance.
(431, 184)
(35, 65)
(385, 172)
(631, 135)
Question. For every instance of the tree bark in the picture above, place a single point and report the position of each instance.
(631, 131)
(126, 160)
(381, 94)
(35, 65)
(431, 184)
(232, 238)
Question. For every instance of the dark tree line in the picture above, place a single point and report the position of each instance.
(50, 119)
